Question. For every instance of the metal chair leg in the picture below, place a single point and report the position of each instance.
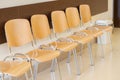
(26, 76)
(52, 75)
(10, 78)
(109, 37)
(58, 65)
(102, 49)
(2, 77)
(16, 78)
(53, 70)
(31, 71)
(81, 51)
(90, 54)
(76, 62)
(35, 70)
(68, 62)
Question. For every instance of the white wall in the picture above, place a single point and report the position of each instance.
(11, 3)
(3, 47)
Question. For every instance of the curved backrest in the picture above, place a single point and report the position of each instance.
(18, 32)
(85, 13)
(59, 21)
(40, 26)
(73, 17)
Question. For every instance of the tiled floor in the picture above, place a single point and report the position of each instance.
(104, 69)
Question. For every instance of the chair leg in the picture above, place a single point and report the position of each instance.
(2, 77)
(109, 37)
(102, 49)
(16, 78)
(35, 70)
(10, 78)
(52, 75)
(81, 51)
(76, 62)
(58, 65)
(53, 69)
(68, 62)
(31, 71)
(26, 76)
(90, 54)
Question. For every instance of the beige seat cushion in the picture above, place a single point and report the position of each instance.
(43, 55)
(94, 33)
(14, 69)
(65, 46)
(81, 39)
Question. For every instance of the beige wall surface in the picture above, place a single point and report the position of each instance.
(3, 47)
(11, 3)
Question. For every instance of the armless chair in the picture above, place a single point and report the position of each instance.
(11, 67)
(18, 33)
(60, 25)
(74, 22)
(85, 14)
(41, 30)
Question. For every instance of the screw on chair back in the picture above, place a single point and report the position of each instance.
(73, 17)
(18, 32)
(40, 26)
(85, 13)
(59, 21)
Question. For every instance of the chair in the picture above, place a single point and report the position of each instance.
(85, 14)
(41, 29)
(13, 66)
(18, 33)
(60, 25)
(73, 19)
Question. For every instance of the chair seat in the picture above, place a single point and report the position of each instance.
(14, 69)
(43, 55)
(65, 46)
(81, 39)
(105, 28)
(94, 33)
